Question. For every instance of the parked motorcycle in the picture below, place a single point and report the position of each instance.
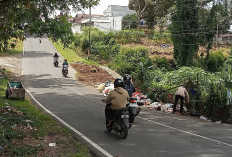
(134, 109)
(120, 122)
(65, 70)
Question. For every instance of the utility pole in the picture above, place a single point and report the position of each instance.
(89, 27)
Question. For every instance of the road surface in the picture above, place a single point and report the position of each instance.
(154, 133)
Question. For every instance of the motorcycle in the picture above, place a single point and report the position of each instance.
(56, 61)
(65, 70)
(133, 109)
(120, 122)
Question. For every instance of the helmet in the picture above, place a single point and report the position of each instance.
(118, 83)
(65, 60)
(127, 78)
(55, 53)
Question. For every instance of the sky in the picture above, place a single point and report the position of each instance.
(103, 4)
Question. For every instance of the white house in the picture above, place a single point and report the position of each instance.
(110, 21)
(117, 10)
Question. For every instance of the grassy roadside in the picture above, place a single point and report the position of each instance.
(17, 50)
(71, 55)
(25, 130)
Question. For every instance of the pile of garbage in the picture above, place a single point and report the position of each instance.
(142, 99)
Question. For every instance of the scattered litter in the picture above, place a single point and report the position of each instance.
(51, 133)
(52, 144)
(219, 122)
(14, 127)
(203, 118)
(1, 148)
(7, 103)
(28, 121)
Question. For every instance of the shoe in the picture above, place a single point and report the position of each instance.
(173, 112)
(130, 125)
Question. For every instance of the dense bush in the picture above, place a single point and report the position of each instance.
(128, 36)
(134, 61)
(163, 64)
(164, 38)
(130, 21)
(103, 45)
(215, 61)
(129, 59)
(211, 101)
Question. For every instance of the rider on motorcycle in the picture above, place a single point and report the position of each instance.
(117, 99)
(65, 63)
(128, 86)
(55, 57)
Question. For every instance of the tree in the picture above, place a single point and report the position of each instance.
(184, 31)
(14, 13)
(150, 9)
(139, 6)
(217, 22)
(129, 21)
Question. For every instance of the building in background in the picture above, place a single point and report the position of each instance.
(110, 21)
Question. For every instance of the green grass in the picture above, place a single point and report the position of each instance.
(17, 50)
(71, 55)
(41, 124)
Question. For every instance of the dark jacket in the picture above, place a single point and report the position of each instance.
(130, 89)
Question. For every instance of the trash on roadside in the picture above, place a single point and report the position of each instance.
(219, 122)
(203, 118)
(1, 148)
(52, 144)
(51, 133)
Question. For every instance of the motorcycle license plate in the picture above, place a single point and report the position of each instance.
(133, 104)
(124, 116)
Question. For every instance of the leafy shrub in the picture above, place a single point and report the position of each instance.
(128, 36)
(162, 63)
(215, 61)
(130, 21)
(162, 38)
(103, 45)
(129, 59)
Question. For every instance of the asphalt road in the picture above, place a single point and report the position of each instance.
(154, 133)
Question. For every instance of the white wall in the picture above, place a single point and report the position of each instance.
(116, 23)
(102, 26)
(76, 28)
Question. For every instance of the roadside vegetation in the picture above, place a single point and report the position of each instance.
(25, 130)
(157, 75)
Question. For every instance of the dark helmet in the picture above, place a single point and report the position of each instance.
(127, 78)
(118, 83)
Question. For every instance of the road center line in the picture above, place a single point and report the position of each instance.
(73, 129)
(186, 132)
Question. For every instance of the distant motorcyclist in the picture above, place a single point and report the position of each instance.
(117, 99)
(128, 85)
(65, 64)
(55, 57)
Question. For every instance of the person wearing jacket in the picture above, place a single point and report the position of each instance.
(128, 85)
(181, 94)
(117, 99)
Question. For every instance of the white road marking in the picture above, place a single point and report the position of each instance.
(186, 132)
(73, 129)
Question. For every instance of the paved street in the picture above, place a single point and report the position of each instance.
(154, 134)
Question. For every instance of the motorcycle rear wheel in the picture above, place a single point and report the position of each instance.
(124, 132)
